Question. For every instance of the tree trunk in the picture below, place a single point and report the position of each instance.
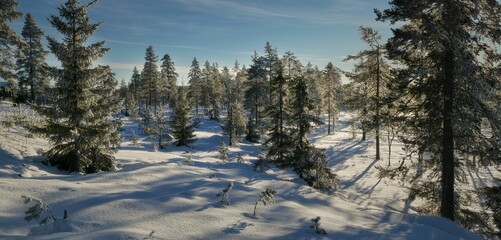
(447, 197)
(378, 78)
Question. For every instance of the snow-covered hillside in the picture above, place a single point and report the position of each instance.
(157, 191)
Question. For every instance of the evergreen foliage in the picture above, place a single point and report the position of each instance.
(149, 90)
(195, 88)
(182, 122)
(40, 209)
(157, 126)
(448, 51)
(78, 124)
(266, 197)
(279, 141)
(223, 152)
(31, 66)
(254, 101)
(168, 81)
(9, 40)
(370, 77)
(331, 94)
(306, 160)
(225, 195)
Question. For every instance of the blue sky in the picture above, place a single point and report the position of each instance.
(222, 31)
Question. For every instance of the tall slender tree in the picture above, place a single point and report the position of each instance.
(31, 66)
(370, 77)
(332, 86)
(78, 123)
(195, 87)
(449, 53)
(279, 141)
(9, 40)
(168, 80)
(150, 80)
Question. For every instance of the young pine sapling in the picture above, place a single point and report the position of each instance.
(37, 210)
(225, 196)
(267, 196)
(223, 152)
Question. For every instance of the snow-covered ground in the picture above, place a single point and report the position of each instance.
(157, 191)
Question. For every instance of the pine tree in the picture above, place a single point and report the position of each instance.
(332, 85)
(150, 80)
(254, 101)
(31, 66)
(9, 40)
(306, 160)
(279, 142)
(135, 83)
(235, 123)
(168, 82)
(78, 123)
(157, 126)
(182, 123)
(195, 88)
(370, 77)
(449, 50)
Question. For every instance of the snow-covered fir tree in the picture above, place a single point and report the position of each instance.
(157, 126)
(78, 123)
(135, 84)
(9, 40)
(182, 123)
(449, 55)
(32, 71)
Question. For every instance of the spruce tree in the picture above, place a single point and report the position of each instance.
(235, 122)
(195, 87)
(307, 161)
(182, 123)
(78, 123)
(254, 101)
(150, 80)
(9, 40)
(370, 78)
(135, 83)
(279, 142)
(448, 51)
(31, 66)
(168, 82)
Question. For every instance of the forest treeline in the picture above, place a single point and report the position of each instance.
(433, 85)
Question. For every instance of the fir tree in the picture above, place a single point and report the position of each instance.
(78, 123)
(182, 123)
(135, 83)
(235, 123)
(31, 66)
(168, 82)
(279, 142)
(223, 152)
(150, 80)
(9, 40)
(449, 54)
(253, 99)
(157, 126)
(306, 160)
(195, 87)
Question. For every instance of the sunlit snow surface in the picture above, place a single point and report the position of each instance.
(155, 191)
